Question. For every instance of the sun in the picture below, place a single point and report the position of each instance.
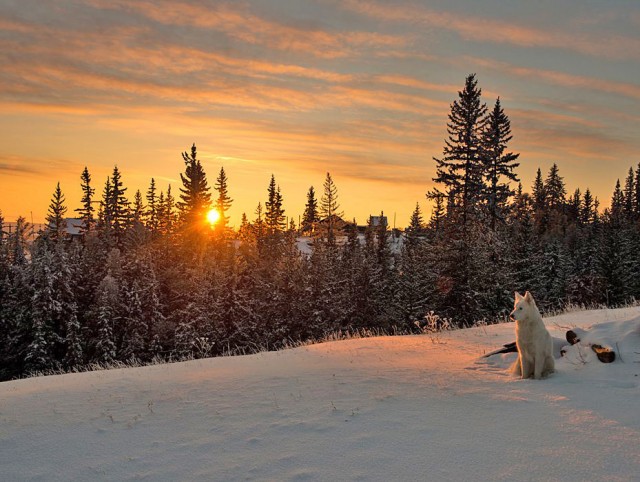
(213, 216)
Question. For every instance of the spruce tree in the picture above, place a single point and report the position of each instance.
(56, 223)
(259, 229)
(118, 206)
(554, 189)
(416, 223)
(324, 291)
(66, 291)
(151, 213)
(17, 242)
(16, 306)
(107, 300)
(383, 281)
(86, 211)
(224, 201)
(135, 328)
(162, 221)
(104, 224)
(169, 211)
(363, 304)
(574, 207)
(636, 194)
(166, 213)
(554, 266)
(499, 164)
(73, 341)
(55, 330)
(245, 231)
(4, 254)
(38, 356)
(589, 210)
(142, 311)
(137, 234)
(617, 209)
(108, 331)
(540, 207)
(538, 192)
(195, 194)
(415, 280)
(330, 208)
(615, 251)
(274, 212)
(44, 335)
(310, 216)
(629, 196)
(436, 221)
(586, 284)
(413, 274)
(460, 171)
(524, 244)
(415, 229)
(138, 208)
(552, 220)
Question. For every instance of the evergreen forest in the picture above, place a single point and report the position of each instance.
(148, 278)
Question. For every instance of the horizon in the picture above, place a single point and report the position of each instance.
(297, 89)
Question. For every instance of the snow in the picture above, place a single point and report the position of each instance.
(305, 244)
(390, 408)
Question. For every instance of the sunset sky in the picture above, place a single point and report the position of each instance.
(301, 87)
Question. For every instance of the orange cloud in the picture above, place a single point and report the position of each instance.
(239, 23)
(21, 165)
(407, 81)
(14, 26)
(108, 72)
(97, 69)
(545, 142)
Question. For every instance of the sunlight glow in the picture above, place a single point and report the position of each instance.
(213, 216)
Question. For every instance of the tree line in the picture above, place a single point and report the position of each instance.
(150, 278)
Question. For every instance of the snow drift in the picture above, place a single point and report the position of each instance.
(390, 408)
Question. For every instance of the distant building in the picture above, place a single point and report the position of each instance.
(378, 220)
(374, 221)
(321, 227)
(73, 228)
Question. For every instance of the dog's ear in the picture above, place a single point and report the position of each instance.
(528, 298)
(518, 296)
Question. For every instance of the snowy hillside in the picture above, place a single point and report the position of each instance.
(391, 408)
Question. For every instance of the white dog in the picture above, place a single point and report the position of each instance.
(535, 346)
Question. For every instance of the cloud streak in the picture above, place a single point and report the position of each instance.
(625, 89)
(90, 68)
(11, 164)
(486, 29)
(239, 23)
